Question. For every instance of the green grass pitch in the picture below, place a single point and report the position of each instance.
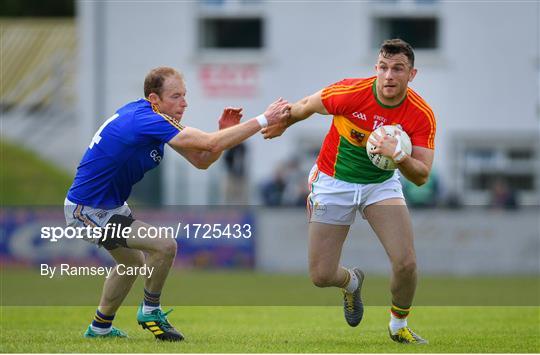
(276, 329)
(247, 312)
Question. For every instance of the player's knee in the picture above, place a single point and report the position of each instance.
(137, 260)
(405, 267)
(167, 248)
(321, 278)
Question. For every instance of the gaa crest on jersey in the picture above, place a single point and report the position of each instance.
(360, 116)
(358, 136)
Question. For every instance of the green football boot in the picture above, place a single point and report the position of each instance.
(114, 333)
(157, 323)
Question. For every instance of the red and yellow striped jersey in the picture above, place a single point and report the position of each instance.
(357, 112)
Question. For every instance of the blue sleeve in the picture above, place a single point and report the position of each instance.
(156, 127)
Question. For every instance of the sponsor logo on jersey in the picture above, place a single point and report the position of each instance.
(378, 121)
(154, 154)
(380, 118)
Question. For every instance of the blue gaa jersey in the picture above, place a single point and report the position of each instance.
(123, 149)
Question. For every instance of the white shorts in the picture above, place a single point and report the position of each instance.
(334, 201)
(86, 216)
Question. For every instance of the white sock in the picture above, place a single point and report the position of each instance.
(397, 323)
(353, 282)
(148, 309)
(101, 331)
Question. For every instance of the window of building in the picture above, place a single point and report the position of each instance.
(420, 32)
(231, 33)
(480, 165)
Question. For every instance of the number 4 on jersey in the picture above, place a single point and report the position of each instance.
(97, 138)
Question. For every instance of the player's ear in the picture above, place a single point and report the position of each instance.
(412, 74)
(153, 98)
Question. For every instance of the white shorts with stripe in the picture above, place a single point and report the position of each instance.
(84, 216)
(334, 201)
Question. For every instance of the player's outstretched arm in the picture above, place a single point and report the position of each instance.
(203, 159)
(192, 139)
(299, 111)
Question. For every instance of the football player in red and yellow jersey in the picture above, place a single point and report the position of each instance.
(344, 181)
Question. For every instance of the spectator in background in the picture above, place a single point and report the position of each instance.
(296, 188)
(272, 190)
(502, 195)
(287, 186)
(235, 180)
(427, 195)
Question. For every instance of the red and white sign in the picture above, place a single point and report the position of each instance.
(229, 80)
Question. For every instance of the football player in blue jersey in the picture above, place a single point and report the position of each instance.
(124, 148)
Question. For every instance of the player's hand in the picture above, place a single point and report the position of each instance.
(278, 112)
(385, 145)
(274, 130)
(230, 117)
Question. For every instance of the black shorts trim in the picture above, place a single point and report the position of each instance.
(113, 236)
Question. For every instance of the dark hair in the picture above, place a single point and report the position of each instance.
(153, 83)
(395, 46)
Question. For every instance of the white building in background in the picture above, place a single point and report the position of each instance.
(478, 69)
